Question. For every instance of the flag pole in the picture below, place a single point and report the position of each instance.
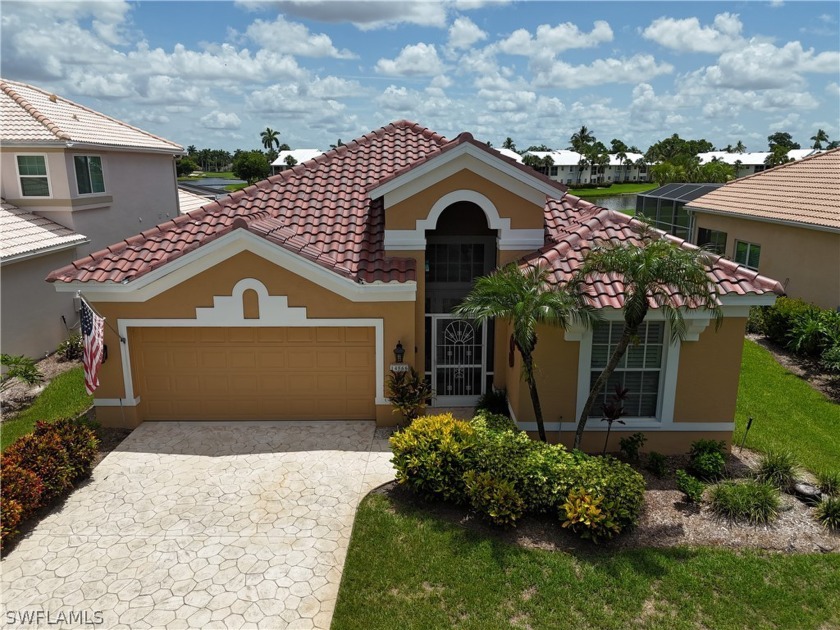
(98, 314)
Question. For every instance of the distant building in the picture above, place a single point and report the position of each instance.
(751, 163)
(298, 155)
(567, 168)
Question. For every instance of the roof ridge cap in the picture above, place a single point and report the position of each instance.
(93, 111)
(33, 111)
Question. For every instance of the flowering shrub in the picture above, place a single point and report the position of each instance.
(78, 439)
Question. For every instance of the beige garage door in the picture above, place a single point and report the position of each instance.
(255, 373)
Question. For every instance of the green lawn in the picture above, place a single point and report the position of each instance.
(615, 189)
(788, 414)
(64, 397)
(214, 174)
(235, 187)
(407, 569)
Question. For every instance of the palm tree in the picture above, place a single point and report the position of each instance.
(524, 298)
(270, 138)
(581, 138)
(819, 137)
(653, 271)
(740, 147)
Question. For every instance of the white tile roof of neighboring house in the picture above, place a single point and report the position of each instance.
(29, 115)
(189, 201)
(756, 158)
(615, 161)
(571, 158)
(299, 155)
(23, 234)
(513, 155)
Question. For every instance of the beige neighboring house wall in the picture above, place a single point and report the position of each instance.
(806, 261)
(140, 191)
(792, 212)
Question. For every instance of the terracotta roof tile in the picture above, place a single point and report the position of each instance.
(31, 115)
(575, 226)
(321, 210)
(803, 192)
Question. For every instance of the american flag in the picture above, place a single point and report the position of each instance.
(93, 327)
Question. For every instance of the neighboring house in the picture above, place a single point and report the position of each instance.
(298, 155)
(751, 163)
(783, 223)
(665, 208)
(286, 301)
(571, 169)
(189, 200)
(513, 155)
(30, 247)
(93, 176)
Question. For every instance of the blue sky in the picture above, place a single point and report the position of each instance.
(214, 74)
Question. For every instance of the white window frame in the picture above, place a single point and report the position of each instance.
(667, 383)
(749, 246)
(76, 176)
(20, 177)
(666, 350)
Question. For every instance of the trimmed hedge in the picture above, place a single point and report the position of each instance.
(41, 467)
(503, 474)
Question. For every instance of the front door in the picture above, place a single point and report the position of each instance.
(458, 373)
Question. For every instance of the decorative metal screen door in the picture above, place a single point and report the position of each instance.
(458, 365)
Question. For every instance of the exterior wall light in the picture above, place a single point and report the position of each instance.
(399, 355)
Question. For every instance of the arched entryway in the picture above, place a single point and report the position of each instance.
(459, 353)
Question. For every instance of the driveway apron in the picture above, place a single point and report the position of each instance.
(203, 525)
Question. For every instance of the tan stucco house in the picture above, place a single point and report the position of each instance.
(72, 181)
(285, 301)
(783, 222)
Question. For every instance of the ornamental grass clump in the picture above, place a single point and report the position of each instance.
(829, 482)
(828, 513)
(778, 468)
(751, 501)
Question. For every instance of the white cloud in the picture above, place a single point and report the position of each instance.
(414, 60)
(364, 14)
(833, 90)
(294, 39)
(761, 65)
(550, 40)
(602, 71)
(464, 33)
(687, 35)
(221, 120)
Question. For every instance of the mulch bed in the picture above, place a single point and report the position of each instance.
(19, 395)
(666, 520)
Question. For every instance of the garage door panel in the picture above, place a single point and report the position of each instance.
(255, 373)
(212, 359)
(211, 335)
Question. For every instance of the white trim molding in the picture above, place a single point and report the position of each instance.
(181, 269)
(228, 311)
(116, 402)
(497, 163)
(509, 238)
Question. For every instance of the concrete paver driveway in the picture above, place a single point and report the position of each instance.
(204, 525)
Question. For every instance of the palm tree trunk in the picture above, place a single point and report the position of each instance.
(528, 360)
(626, 336)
